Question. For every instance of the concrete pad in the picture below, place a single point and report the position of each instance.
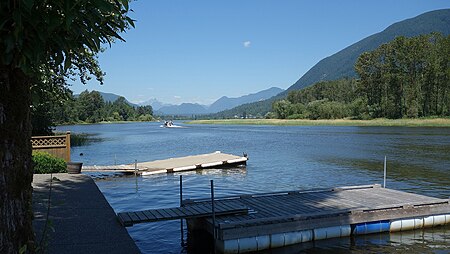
(81, 219)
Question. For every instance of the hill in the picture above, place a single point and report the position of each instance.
(341, 64)
(156, 104)
(184, 109)
(224, 103)
(110, 97)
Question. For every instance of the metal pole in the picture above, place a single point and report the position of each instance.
(384, 178)
(181, 203)
(213, 215)
(135, 175)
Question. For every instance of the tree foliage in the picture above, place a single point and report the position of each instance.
(42, 43)
(90, 107)
(407, 77)
(324, 100)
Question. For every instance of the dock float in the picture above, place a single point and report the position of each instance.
(284, 218)
(188, 163)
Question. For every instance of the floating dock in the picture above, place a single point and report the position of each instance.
(195, 162)
(272, 220)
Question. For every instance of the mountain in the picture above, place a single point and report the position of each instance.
(225, 103)
(184, 109)
(110, 97)
(341, 64)
(156, 105)
(221, 104)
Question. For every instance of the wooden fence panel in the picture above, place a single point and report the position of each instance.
(58, 146)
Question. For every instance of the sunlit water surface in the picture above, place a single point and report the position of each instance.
(281, 158)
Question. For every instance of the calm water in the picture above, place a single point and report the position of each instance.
(281, 158)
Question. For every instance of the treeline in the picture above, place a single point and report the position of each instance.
(408, 77)
(323, 100)
(88, 107)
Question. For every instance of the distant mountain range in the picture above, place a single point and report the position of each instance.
(155, 103)
(228, 103)
(221, 104)
(187, 109)
(341, 64)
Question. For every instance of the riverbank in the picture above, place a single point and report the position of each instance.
(108, 122)
(426, 122)
(80, 220)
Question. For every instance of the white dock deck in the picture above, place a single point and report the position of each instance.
(194, 162)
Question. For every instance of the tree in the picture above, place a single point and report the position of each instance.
(406, 77)
(59, 36)
(90, 106)
(282, 109)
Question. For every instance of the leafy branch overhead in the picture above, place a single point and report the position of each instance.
(66, 33)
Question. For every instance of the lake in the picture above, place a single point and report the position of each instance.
(281, 158)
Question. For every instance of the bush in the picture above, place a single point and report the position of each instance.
(324, 109)
(45, 163)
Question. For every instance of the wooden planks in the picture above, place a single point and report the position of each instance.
(280, 212)
(294, 211)
(184, 212)
(302, 210)
(172, 165)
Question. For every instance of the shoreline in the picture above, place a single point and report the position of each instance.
(379, 122)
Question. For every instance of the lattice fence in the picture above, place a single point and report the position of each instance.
(56, 145)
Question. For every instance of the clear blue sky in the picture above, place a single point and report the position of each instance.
(198, 51)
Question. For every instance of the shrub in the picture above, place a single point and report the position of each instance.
(45, 163)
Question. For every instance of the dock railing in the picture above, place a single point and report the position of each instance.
(58, 146)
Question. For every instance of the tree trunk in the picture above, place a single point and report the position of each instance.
(16, 173)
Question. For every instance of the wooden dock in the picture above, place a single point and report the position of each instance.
(284, 218)
(195, 162)
(184, 212)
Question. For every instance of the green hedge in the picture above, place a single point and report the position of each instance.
(45, 163)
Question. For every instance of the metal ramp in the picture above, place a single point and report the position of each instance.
(187, 211)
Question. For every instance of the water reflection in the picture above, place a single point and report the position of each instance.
(283, 158)
(431, 240)
(427, 180)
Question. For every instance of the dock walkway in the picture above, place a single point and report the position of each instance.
(284, 218)
(82, 221)
(194, 162)
(185, 212)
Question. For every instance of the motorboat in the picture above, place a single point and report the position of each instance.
(169, 124)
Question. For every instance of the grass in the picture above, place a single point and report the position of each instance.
(416, 122)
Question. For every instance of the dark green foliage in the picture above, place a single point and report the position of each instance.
(341, 64)
(324, 100)
(408, 77)
(90, 107)
(42, 43)
(324, 109)
(45, 163)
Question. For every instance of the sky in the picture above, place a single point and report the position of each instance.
(198, 51)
